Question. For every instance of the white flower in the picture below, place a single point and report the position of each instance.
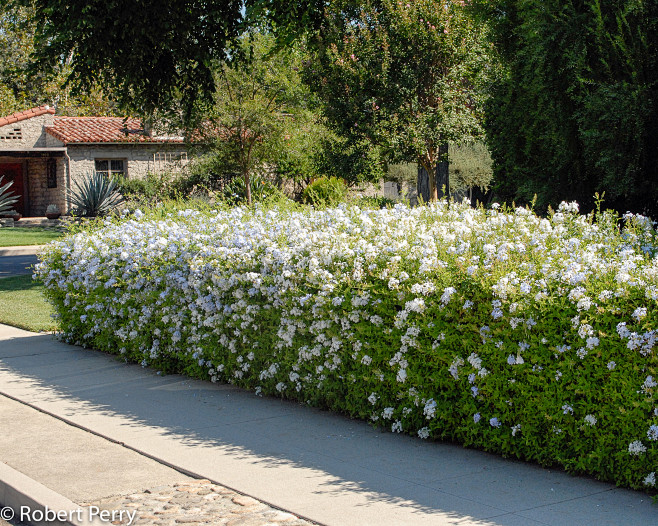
(590, 420)
(585, 330)
(650, 479)
(447, 294)
(387, 413)
(366, 360)
(430, 409)
(396, 427)
(516, 429)
(611, 365)
(652, 433)
(649, 382)
(475, 361)
(640, 313)
(393, 283)
(424, 432)
(567, 409)
(636, 448)
(476, 417)
(494, 422)
(373, 398)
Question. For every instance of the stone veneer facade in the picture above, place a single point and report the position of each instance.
(73, 161)
(32, 132)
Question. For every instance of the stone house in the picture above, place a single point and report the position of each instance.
(45, 154)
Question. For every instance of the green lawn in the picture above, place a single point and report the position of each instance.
(22, 304)
(21, 236)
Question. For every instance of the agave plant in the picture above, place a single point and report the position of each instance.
(95, 195)
(7, 199)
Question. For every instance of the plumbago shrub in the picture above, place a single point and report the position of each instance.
(532, 337)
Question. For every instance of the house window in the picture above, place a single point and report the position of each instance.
(111, 167)
(51, 173)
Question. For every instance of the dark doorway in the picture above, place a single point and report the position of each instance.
(14, 172)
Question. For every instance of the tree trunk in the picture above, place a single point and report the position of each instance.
(431, 188)
(443, 172)
(423, 185)
(247, 186)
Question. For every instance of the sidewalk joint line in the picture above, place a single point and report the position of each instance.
(181, 470)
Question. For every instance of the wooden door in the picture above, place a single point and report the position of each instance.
(14, 172)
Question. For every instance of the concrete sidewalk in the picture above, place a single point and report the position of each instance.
(28, 250)
(18, 261)
(330, 469)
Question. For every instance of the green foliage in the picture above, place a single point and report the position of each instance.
(404, 77)
(526, 336)
(324, 192)
(575, 112)
(235, 193)
(300, 151)
(170, 58)
(149, 190)
(95, 195)
(355, 161)
(260, 108)
(373, 202)
(7, 198)
(20, 89)
(470, 165)
(402, 173)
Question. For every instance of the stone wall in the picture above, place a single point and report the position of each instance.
(29, 133)
(40, 196)
(139, 159)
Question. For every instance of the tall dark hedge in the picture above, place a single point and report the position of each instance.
(576, 110)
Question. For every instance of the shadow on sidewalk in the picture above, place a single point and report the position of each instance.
(337, 453)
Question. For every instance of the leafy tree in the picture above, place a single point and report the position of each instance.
(403, 76)
(154, 53)
(259, 107)
(577, 111)
(20, 89)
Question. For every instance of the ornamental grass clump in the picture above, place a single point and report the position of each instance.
(527, 336)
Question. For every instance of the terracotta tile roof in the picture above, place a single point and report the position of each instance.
(73, 130)
(22, 115)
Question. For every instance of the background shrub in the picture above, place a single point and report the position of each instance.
(325, 191)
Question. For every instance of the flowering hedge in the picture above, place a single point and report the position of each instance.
(522, 335)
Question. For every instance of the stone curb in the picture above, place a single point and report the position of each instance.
(20, 491)
(31, 250)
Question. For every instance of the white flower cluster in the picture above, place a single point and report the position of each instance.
(400, 303)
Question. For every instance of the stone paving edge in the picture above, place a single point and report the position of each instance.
(28, 484)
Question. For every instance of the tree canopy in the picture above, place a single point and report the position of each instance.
(153, 52)
(577, 110)
(260, 105)
(407, 77)
(20, 89)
